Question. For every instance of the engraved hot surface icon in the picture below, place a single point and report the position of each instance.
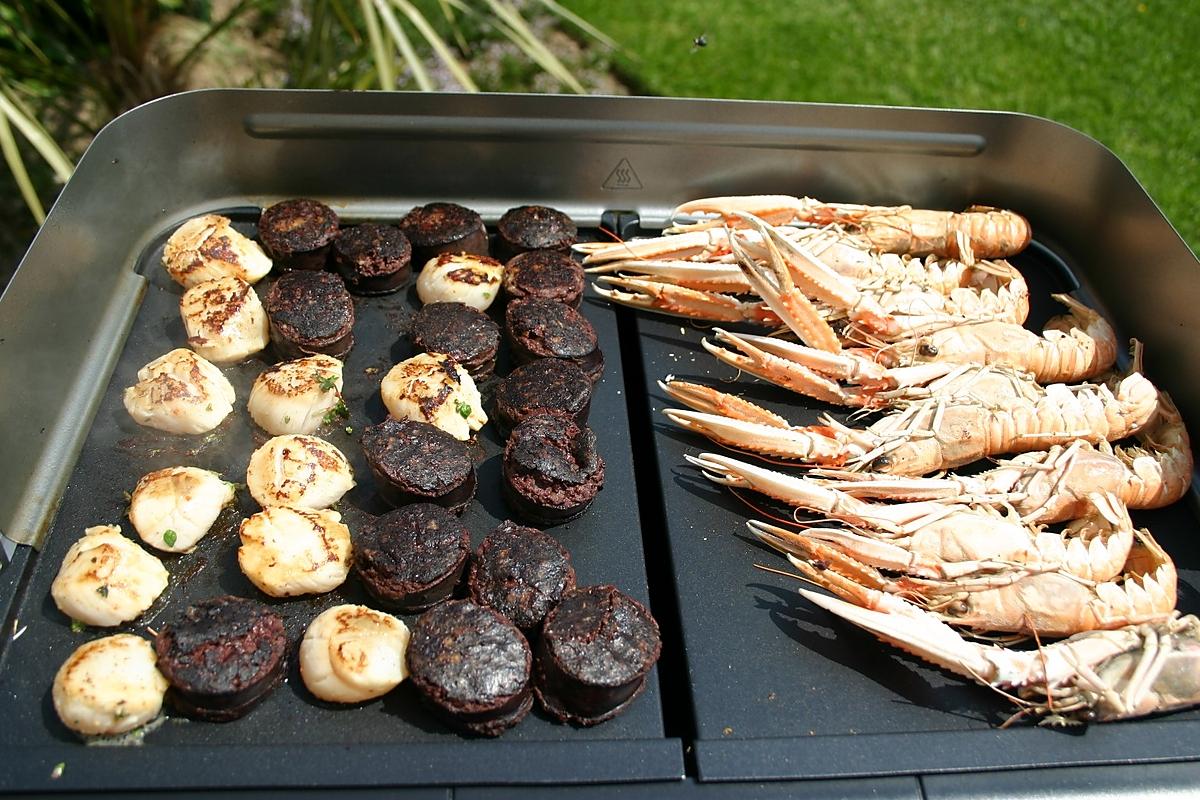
(622, 177)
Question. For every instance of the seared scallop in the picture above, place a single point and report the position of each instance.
(180, 392)
(462, 278)
(292, 551)
(224, 320)
(109, 686)
(208, 247)
(297, 396)
(300, 471)
(434, 388)
(106, 578)
(353, 653)
(172, 509)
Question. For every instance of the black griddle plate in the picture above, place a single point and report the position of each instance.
(293, 739)
(783, 689)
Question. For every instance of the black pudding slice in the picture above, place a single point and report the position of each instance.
(465, 334)
(551, 469)
(596, 648)
(222, 657)
(535, 228)
(373, 259)
(297, 233)
(439, 228)
(472, 666)
(310, 313)
(521, 572)
(415, 462)
(544, 274)
(411, 558)
(541, 385)
(549, 329)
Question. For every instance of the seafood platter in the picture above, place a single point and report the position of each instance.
(327, 481)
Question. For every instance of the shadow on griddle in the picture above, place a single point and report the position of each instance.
(405, 704)
(1189, 598)
(374, 407)
(172, 330)
(51, 721)
(906, 677)
(487, 493)
(694, 483)
(401, 350)
(364, 498)
(664, 427)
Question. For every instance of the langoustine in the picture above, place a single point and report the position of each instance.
(1041, 604)
(937, 539)
(1096, 676)
(1043, 486)
(929, 435)
(980, 231)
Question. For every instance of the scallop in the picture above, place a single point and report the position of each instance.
(180, 392)
(208, 247)
(106, 578)
(297, 396)
(434, 388)
(351, 654)
(292, 551)
(300, 471)
(462, 278)
(224, 320)
(172, 509)
(109, 686)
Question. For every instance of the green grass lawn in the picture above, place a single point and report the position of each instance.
(1124, 72)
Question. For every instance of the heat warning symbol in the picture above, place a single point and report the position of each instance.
(622, 177)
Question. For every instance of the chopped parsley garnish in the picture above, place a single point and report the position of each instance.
(339, 410)
(77, 626)
(57, 772)
(169, 537)
(349, 429)
(287, 420)
(102, 590)
(328, 383)
(463, 409)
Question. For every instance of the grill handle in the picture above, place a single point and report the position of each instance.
(729, 134)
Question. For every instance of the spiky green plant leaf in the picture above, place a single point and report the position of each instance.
(379, 49)
(514, 26)
(420, 74)
(12, 156)
(35, 133)
(581, 23)
(440, 48)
